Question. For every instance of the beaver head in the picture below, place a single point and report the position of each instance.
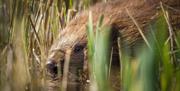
(72, 37)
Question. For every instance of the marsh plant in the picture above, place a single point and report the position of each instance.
(29, 27)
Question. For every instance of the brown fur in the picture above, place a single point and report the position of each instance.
(115, 15)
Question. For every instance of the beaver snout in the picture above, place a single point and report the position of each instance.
(52, 68)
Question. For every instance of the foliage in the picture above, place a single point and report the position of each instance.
(29, 27)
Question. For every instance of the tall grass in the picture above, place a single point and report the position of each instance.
(28, 41)
(29, 27)
(156, 68)
(98, 54)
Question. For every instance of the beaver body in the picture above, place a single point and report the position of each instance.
(74, 36)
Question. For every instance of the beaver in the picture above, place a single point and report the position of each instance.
(74, 36)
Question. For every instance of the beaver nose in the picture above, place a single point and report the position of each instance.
(52, 68)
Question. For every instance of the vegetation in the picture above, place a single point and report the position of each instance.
(99, 69)
(155, 69)
(29, 27)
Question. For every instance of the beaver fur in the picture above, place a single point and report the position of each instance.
(74, 36)
(115, 15)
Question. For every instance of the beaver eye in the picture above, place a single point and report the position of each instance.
(78, 48)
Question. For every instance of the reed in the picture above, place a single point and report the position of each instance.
(29, 27)
(154, 68)
(98, 55)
